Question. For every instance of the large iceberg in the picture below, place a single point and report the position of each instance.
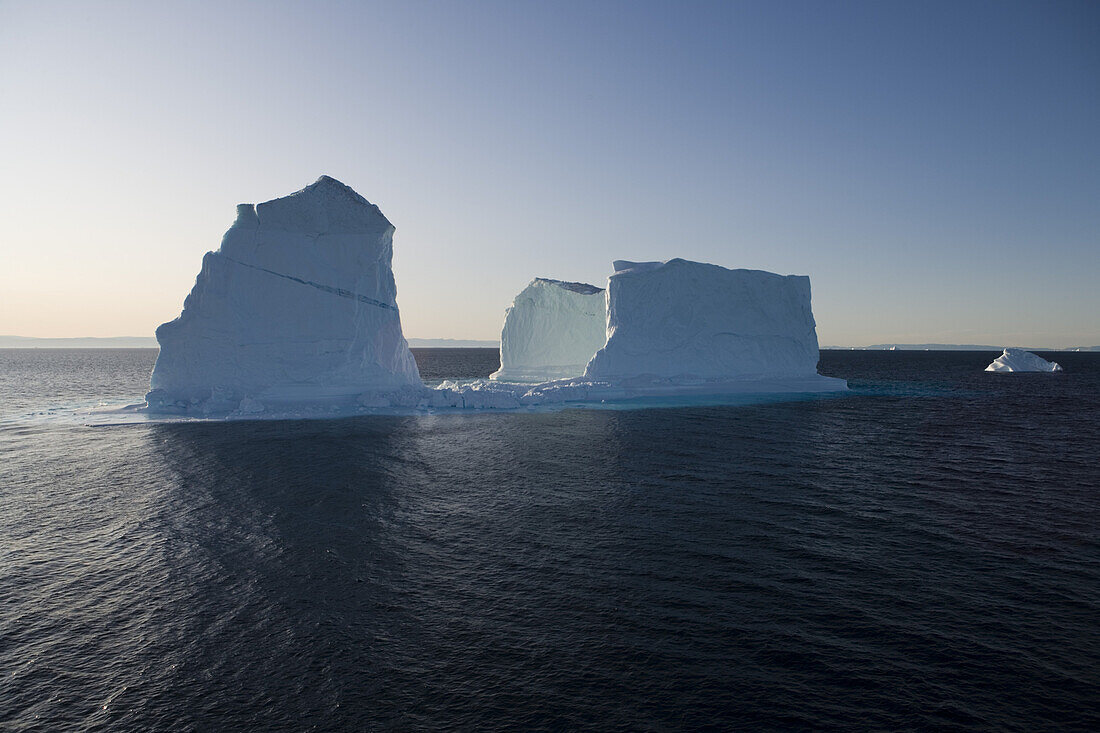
(296, 314)
(297, 305)
(1018, 360)
(681, 322)
(551, 331)
(681, 330)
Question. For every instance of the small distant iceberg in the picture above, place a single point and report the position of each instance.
(1018, 360)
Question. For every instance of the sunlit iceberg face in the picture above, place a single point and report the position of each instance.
(551, 331)
(298, 304)
(1019, 360)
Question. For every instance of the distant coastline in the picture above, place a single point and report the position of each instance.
(952, 347)
(80, 342)
(149, 342)
(452, 344)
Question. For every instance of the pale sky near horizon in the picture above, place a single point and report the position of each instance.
(934, 167)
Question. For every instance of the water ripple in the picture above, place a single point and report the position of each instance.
(887, 560)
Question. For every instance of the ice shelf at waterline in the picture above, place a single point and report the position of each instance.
(298, 304)
(551, 331)
(1018, 360)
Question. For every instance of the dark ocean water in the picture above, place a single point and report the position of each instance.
(923, 553)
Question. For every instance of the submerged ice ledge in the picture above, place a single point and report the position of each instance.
(487, 394)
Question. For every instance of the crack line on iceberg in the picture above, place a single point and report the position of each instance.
(326, 288)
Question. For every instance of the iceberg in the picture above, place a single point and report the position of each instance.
(1018, 360)
(297, 305)
(692, 324)
(683, 330)
(551, 331)
(296, 315)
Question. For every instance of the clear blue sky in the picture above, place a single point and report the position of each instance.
(934, 167)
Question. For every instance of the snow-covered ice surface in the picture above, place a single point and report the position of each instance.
(707, 327)
(298, 305)
(1018, 360)
(551, 331)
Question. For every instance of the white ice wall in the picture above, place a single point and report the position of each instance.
(298, 303)
(1019, 360)
(681, 320)
(551, 331)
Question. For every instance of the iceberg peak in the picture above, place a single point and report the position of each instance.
(324, 206)
(297, 305)
(328, 183)
(1020, 360)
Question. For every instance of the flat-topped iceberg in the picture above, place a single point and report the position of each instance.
(297, 305)
(551, 331)
(681, 322)
(677, 329)
(1018, 360)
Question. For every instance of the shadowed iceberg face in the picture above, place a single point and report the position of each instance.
(681, 320)
(298, 304)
